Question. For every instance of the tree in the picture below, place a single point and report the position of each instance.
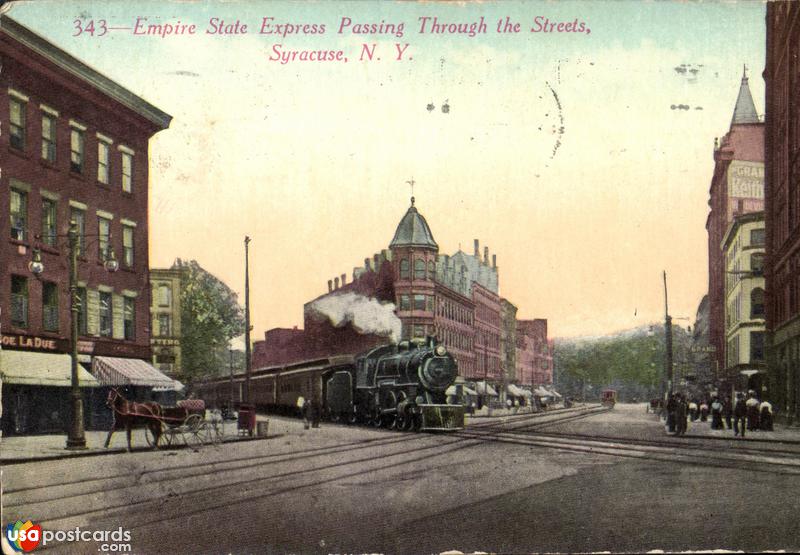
(210, 318)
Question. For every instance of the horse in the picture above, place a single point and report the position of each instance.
(130, 415)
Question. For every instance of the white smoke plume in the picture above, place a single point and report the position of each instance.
(367, 315)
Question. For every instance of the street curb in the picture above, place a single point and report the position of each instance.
(120, 450)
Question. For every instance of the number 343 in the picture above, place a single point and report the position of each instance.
(89, 27)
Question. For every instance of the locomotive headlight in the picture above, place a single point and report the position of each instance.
(440, 351)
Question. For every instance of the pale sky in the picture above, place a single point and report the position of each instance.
(311, 158)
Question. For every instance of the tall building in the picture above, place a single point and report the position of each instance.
(74, 148)
(743, 249)
(454, 297)
(165, 326)
(737, 187)
(782, 211)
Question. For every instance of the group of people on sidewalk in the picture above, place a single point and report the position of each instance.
(743, 413)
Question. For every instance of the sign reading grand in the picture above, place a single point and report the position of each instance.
(746, 179)
(28, 342)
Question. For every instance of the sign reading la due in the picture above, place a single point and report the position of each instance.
(29, 342)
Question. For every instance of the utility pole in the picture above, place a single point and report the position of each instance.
(230, 367)
(668, 337)
(247, 320)
(76, 439)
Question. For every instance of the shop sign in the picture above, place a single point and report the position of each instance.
(29, 342)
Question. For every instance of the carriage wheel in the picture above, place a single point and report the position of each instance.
(150, 438)
(193, 430)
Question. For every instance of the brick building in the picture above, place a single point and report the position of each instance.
(782, 211)
(534, 353)
(737, 187)
(454, 297)
(74, 147)
(165, 311)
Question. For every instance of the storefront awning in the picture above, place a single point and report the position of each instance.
(484, 388)
(542, 392)
(464, 390)
(176, 386)
(129, 371)
(517, 391)
(556, 394)
(46, 369)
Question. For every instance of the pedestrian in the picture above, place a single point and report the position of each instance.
(316, 413)
(752, 403)
(672, 405)
(681, 412)
(703, 411)
(739, 415)
(766, 416)
(693, 410)
(306, 410)
(716, 415)
(727, 411)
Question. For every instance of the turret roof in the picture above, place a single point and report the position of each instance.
(413, 231)
(745, 110)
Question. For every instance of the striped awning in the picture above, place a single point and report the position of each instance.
(452, 390)
(517, 391)
(129, 371)
(484, 388)
(47, 369)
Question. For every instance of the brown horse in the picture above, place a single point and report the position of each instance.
(130, 415)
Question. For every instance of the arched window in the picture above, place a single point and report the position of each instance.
(757, 303)
(419, 269)
(404, 268)
(431, 270)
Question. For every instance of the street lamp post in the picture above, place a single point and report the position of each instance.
(668, 337)
(76, 436)
(247, 319)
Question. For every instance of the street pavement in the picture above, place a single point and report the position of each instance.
(506, 484)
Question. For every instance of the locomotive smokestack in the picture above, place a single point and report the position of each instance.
(477, 249)
(486, 255)
(330, 285)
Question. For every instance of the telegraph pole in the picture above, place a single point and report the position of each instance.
(247, 320)
(668, 337)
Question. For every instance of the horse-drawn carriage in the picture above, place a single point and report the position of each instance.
(164, 425)
(609, 398)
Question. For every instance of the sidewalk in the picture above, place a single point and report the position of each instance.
(20, 449)
(703, 429)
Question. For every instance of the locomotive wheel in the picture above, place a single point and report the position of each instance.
(404, 417)
(376, 419)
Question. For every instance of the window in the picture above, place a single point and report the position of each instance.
(419, 330)
(430, 303)
(404, 268)
(127, 246)
(757, 263)
(129, 318)
(82, 320)
(49, 306)
(419, 302)
(757, 237)
(405, 303)
(104, 235)
(431, 270)
(76, 150)
(102, 161)
(756, 345)
(127, 172)
(49, 227)
(19, 215)
(106, 320)
(79, 217)
(163, 325)
(419, 269)
(757, 303)
(17, 123)
(164, 295)
(19, 301)
(49, 138)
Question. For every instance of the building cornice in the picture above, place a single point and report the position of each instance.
(92, 77)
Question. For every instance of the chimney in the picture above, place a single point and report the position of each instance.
(494, 261)
(344, 279)
(477, 249)
(384, 254)
(377, 259)
(366, 264)
(330, 286)
(486, 255)
(336, 283)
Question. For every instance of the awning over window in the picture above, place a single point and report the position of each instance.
(484, 388)
(517, 391)
(464, 390)
(556, 394)
(129, 371)
(47, 369)
(542, 392)
(176, 386)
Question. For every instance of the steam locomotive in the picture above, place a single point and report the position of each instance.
(396, 386)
